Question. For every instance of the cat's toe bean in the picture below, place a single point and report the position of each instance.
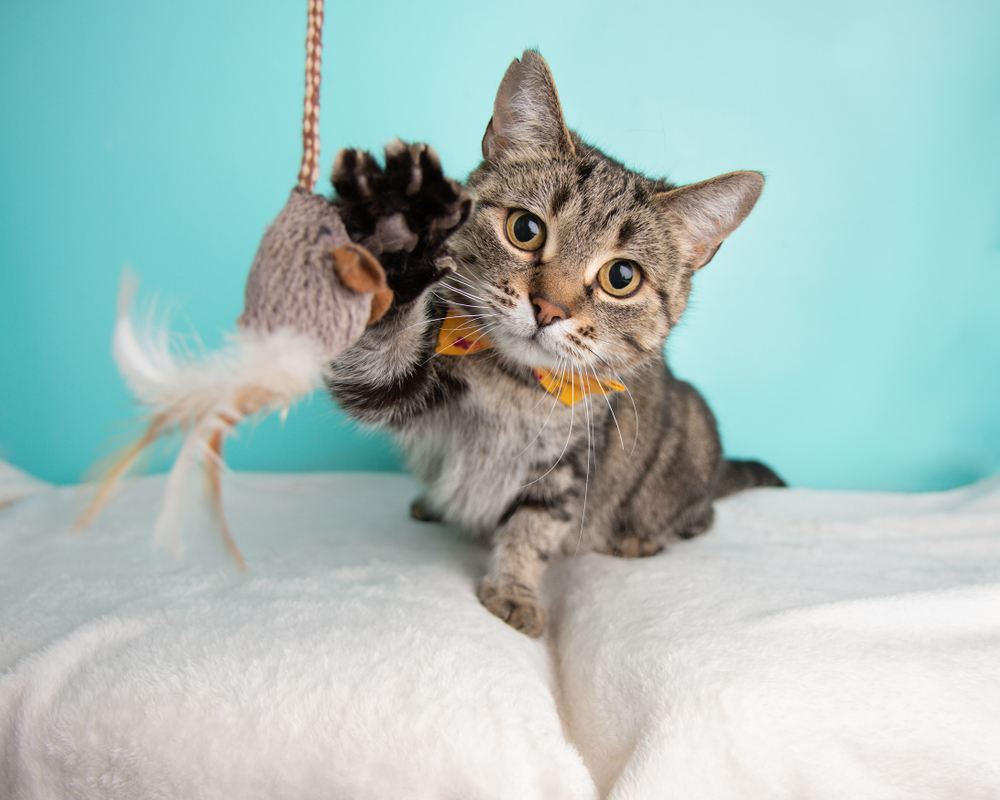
(515, 604)
(356, 174)
(415, 168)
(404, 168)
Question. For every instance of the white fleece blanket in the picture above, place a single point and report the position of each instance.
(813, 645)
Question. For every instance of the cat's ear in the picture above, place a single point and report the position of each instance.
(703, 214)
(527, 118)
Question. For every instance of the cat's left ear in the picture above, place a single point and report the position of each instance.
(703, 214)
(527, 117)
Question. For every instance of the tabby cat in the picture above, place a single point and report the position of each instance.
(560, 430)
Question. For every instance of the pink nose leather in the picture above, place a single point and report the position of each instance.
(547, 312)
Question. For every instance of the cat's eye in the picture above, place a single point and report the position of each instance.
(525, 230)
(620, 278)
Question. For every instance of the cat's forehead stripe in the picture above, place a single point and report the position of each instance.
(559, 199)
(625, 231)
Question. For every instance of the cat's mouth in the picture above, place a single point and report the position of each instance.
(533, 346)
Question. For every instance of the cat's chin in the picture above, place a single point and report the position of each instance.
(525, 351)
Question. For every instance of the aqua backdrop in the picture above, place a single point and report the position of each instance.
(849, 333)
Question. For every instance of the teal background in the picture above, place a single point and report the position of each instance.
(849, 333)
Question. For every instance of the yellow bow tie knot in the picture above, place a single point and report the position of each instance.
(459, 336)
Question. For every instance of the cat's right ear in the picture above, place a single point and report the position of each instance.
(703, 214)
(527, 118)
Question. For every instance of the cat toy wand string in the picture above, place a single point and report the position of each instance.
(309, 170)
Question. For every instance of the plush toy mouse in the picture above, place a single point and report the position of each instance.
(311, 291)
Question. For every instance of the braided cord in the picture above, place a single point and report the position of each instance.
(309, 171)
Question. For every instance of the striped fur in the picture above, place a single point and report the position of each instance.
(625, 474)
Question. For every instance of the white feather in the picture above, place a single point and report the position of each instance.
(276, 368)
(203, 395)
(166, 530)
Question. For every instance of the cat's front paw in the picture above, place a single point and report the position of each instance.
(514, 603)
(411, 184)
(403, 212)
(632, 546)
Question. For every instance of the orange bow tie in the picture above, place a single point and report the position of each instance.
(459, 336)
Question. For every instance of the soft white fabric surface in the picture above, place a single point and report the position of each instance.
(354, 661)
(813, 645)
(15, 484)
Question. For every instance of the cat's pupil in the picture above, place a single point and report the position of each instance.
(621, 274)
(527, 227)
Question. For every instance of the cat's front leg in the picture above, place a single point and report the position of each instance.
(403, 213)
(533, 531)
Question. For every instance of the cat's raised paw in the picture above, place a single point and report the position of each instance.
(402, 213)
(515, 604)
(408, 206)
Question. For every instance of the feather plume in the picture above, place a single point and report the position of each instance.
(204, 397)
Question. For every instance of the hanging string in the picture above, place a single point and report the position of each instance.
(309, 171)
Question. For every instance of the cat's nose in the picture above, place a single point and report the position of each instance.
(547, 312)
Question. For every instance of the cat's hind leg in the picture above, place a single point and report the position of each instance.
(641, 541)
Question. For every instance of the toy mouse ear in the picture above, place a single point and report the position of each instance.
(527, 118)
(703, 214)
(360, 271)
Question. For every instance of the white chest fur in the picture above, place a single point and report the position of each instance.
(476, 455)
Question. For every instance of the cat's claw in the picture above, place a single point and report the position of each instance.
(356, 176)
(515, 604)
(434, 204)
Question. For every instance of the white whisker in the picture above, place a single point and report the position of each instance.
(635, 410)
(586, 485)
(441, 319)
(610, 408)
(462, 279)
(466, 296)
(572, 414)
(451, 296)
(483, 331)
(462, 292)
(474, 288)
(555, 402)
(462, 304)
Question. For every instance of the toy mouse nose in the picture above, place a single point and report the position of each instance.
(547, 312)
